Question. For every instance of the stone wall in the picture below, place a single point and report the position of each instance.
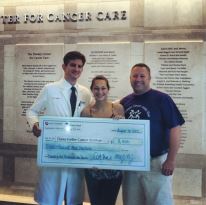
(150, 24)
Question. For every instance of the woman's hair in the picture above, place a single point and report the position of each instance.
(100, 77)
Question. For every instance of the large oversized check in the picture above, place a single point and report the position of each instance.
(94, 142)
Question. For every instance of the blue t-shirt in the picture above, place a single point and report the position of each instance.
(162, 112)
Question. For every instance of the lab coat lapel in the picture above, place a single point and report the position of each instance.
(65, 92)
(64, 89)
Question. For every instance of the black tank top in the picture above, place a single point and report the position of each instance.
(101, 174)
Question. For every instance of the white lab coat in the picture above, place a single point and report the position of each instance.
(54, 100)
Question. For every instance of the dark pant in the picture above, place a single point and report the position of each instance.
(102, 191)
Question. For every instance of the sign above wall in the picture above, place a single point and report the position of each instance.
(64, 17)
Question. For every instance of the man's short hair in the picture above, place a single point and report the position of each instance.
(73, 55)
(142, 65)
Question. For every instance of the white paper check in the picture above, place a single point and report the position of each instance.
(94, 142)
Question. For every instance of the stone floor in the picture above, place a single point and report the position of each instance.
(21, 195)
(18, 195)
(180, 201)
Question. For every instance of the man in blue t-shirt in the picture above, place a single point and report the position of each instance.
(153, 187)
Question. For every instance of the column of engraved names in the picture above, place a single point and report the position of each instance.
(174, 78)
(105, 63)
(34, 77)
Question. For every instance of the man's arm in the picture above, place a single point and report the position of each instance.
(169, 165)
(36, 130)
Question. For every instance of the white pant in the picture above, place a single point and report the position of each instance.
(55, 183)
(148, 188)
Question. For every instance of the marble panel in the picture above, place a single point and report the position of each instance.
(109, 59)
(9, 94)
(137, 53)
(107, 10)
(136, 13)
(9, 116)
(23, 2)
(1, 168)
(26, 170)
(187, 13)
(35, 65)
(187, 182)
(70, 7)
(9, 10)
(1, 57)
(204, 11)
(8, 136)
(9, 50)
(1, 21)
(177, 69)
(1, 79)
(204, 48)
(158, 13)
(9, 66)
(203, 94)
(70, 47)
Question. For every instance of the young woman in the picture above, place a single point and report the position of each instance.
(103, 185)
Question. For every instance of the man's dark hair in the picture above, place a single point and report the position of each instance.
(100, 77)
(74, 55)
(142, 65)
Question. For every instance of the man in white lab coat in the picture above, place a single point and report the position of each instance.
(57, 184)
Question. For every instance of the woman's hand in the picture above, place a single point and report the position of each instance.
(117, 117)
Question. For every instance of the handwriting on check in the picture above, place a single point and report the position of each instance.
(96, 156)
(108, 151)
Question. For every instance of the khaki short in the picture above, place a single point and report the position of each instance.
(148, 188)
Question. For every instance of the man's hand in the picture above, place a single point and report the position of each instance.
(36, 131)
(168, 167)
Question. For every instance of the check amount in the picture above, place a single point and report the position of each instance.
(94, 143)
